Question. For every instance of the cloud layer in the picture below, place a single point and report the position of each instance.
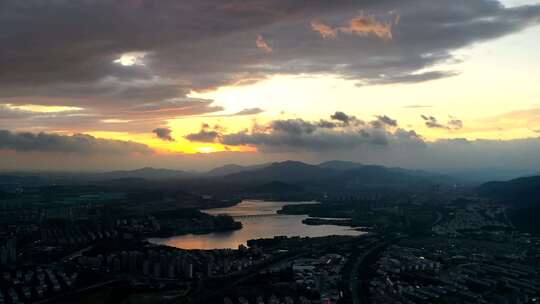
(380, 140)
(77, 143)
(129, 66)
(340, 131)
(163, 134)
(137, 60)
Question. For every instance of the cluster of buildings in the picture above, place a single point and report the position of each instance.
(472, 217)
(33, 284)
(171, 263)
(72, 233)
(272, 299)
(321, 274)
(457, 271)
(311, 271)
(163, 264)
(8, 252)
(69, 211)
(17, 212)
(75, 235)
(224, 262)
(139, 225)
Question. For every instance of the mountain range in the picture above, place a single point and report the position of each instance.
(331, 175)
(522, 195)
(519, 192)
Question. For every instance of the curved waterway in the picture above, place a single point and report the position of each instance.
(259, 220)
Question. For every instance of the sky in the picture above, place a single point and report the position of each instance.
(99, 85)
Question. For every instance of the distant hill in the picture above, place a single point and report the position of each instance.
(523, 194)
(145, 173)
(340, 165)
(225, 170)
(379, 175)
(124, 183)
(233, 168)
(275, 187)
(287, 171)
(519, 192)
(337, 176)
(479, 176)
(20, 180)
(367, 178)
(327, 177)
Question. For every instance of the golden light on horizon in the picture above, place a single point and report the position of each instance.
(42, 108)
(180, 145)
(206, 149)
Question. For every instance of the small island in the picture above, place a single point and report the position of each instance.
(324, 221)
(185, 221)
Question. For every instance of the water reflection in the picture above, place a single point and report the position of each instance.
(259, 220)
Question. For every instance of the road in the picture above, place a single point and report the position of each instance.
(78, 291)
(77, 253)
(359, 279)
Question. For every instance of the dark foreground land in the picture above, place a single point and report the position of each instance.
(86, 243)
(461, 251)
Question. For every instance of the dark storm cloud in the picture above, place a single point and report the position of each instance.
(63, 52)
(78, 143)
(76, 41)
(65, 42)
(163, 134)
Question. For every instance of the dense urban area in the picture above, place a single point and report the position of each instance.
(426, 239)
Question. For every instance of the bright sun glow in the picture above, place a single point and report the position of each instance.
(131, 59)
(206, 149)
(180, 145)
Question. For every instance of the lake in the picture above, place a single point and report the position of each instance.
(259, 220)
